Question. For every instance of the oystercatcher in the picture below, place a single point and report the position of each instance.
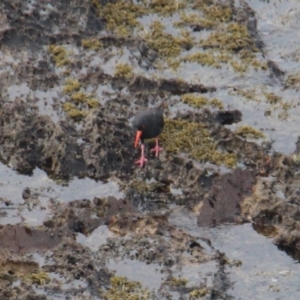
(148, 124)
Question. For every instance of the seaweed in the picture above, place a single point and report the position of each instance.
(204, 58)
(123, 71)
(40, 278)
(165, 44)
(121, 16)
(178, 282)
(73, 112)
(248, 131)
(166, 7)
(123, 288)
(293, 81)
(234, 37)
(194, 139)
(194, 20)
(71, 85)
(59, 54)
(198, 293)
(93, 44)
(193, 100)
(200, 101)
(81, 97)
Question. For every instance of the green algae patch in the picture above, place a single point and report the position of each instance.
(122, 288)
(248, 131)
(165, 44)
(121, 16)
(245, 59)
(218, 13)
(258, 65)
(123, 71)
(185, 39)
(239, 62)
(200, 101)
(234, 37)
(71, 85)
(77, 100)
(59, 54)
(221, 13)
(93, 44)
(40, 278)
(166, 7)
(210, 17)
(272, 98)
(293, 81)
(195, 140)
(238, 66)
(174, 64)
(73, 112)
(205, 58)
(194, 20)
(198, 293)
(81, 97)
(216, 103)
(178, 282)
(93, 103)
(194, 100)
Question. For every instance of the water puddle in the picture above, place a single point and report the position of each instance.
(13, 184)
(265, 270)
(198, 274)
(149, 275)
(13, 208)
(96, 239)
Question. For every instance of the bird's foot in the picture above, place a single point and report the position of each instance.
(141, 161)
(156, 149)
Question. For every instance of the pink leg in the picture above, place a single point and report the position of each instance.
(143, 159)
(157, 149)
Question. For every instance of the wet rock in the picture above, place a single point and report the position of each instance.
(221, 283)
(20, 239)
(297, 150)
(31, 29)
(41, 143)
(139, 223)
(74, 261)
(273, 206)
(246, 15)
(84, 216)
(26, 193)
(275, 70)
(222, 205)
(173, 86)
(4, 25)
(229, 117)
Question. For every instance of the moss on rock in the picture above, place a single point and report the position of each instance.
(123, 288)
(195, 140)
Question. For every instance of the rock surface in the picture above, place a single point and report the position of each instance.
(65, 108)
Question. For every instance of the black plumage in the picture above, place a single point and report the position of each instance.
(150, 122)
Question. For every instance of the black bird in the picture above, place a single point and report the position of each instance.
(148, 124)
